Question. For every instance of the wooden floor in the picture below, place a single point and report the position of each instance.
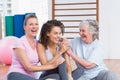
(112, 64)
(3, 72)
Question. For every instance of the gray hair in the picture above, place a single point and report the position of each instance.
(92, 27)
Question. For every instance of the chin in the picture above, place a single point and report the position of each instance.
(56, 42)
(33, 35)
(84, 40)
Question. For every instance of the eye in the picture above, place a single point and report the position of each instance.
(36, 24)
(55, 32)
(60, 33)
(31, 24)
(81, 30)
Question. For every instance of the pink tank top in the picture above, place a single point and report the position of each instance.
(16, 66)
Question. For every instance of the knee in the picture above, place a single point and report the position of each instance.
(57, 76)
(54, 76)
(111, 75)
(79, 71)
(10, 76)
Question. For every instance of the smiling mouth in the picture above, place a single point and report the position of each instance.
(83, 36)
(33, 30)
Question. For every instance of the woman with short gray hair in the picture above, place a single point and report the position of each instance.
(87, 51)
(93, 27)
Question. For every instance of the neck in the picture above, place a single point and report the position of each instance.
(31, 41)
(52, 45)
(30, 38)
(89, 41)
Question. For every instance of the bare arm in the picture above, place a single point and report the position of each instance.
(41, 53)
(42, 56)
(63, 48)
(56, 57)
(82, 62)
(24, 60)
(68, 65)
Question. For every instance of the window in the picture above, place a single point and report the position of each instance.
(5, 9)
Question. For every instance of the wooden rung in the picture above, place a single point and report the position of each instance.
(71, 26)
(70, 20)
(71, 32)
(76, 15)
(70, 38)
(76, 3)
(76, 9)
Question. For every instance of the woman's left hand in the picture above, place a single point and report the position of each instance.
(65, 41)
(69, 52)
(58, 62)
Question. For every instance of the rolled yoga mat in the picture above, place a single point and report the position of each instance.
(30, 13)
(18, 25)
(9, 25)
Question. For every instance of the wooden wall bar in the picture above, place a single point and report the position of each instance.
(71, 12)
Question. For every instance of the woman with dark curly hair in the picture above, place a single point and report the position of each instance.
(51, 48)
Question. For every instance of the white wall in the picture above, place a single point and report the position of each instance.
(109, 15)
(109, 26)
(40, 7)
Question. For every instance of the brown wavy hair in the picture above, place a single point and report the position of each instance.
(46, 27)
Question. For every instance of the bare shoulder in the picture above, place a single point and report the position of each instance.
(40, 47)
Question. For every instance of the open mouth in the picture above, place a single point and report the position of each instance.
(83, 36)
(33, 30)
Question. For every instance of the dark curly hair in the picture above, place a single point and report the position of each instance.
(46, 27)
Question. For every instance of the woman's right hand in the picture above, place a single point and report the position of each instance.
(64, 47)
(69, 52)
(58, 61)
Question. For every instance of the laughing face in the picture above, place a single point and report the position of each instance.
(31, 27)
(54, 35)
(85, 34)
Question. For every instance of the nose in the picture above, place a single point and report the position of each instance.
(58, 36)
(35, 26)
